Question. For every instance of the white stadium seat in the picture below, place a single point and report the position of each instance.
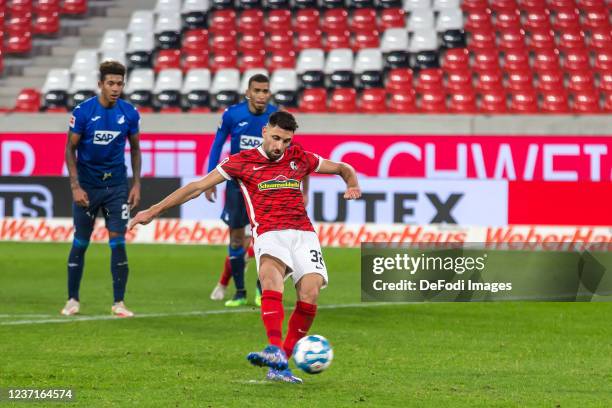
(168, 21)
(168, 5)
(226, 80)
(58, 79)
(439, 5)
(340, 59)
(449, 19)
(394, 39)
(312, 59)
(424, 40)
(141, 20)
(169, 80)
(85, 60)
(195, 5)
(142, 79)
(369, 59)
(115, 55)
(421, 19)
(411, 5)
(113, 40)
(283, 80)
(84, 81)
(197, 80)
(141, 41)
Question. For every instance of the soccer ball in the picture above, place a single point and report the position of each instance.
(313, 354)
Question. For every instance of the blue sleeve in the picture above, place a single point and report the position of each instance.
(222, 133)
(134, 122)
(77, 121)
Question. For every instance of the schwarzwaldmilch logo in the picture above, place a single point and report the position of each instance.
(278, 183)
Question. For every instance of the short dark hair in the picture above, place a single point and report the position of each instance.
(111, 67)
(261, 78)
(283, 120)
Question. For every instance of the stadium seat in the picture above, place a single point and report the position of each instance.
(519, 80)
(284, 86)
(369, 69)
(503, 6)
(313, 101)
(162, 6)
(585, 102)
(194, 14)
(539, 41)
(309, 39)
(571, 40)
(457, 59)
(432, 101)
(84, 86)
(508, 19)
(194, 61)
(603, 61)
(596, 20)
(453, 39)
(19, 44)
(429, 80)
(335, 21)
(279, 41)
(479, 21)
(168, 30)
(532, 5)
(252, 60)
(581, 82)
(516, 60)
(141, 21)
(537, 20)
(605, 82)
(332, 4)
(45, 6)
(366, 39)
(566, 19)
(413, 5)
(277, 20)
(449, 19)
(310, 66)
(46, 24)
(482, 41)
(486, 60)
(523, 102)
(399, 80)
(139, 52)
(576, 61)
(224, 42)
(462, 102)
(511, 40)
(248, 4)
(55, 89)
(196, 96)
(360, 4)
(85, 60)
(421, 19)
(113, 40)
(459, 81)
(250, 42)
(28, 100)
(590, 5)
(301, 4)
(249, 21)
(194, 41)
(608, 103)
(337, 40)
(561, 5)
(222, 4)
(74, 7)
(114, 55)
(546, 60)
(225, 88)
(392, 18)
(282, 59)
(222, 21)
(167, 59)
(18, 25)
(550, 81)
(307, 20)
(343, 100)
(373, 101)
(363, 19)
(441, 5)
(139, 88)
(339, 68)
(167, 91)
(489, 81)
(394, 45)
(402, 102)
(493, 102)
(387, 4)
(423, 40)
(554, 101)
(600, 40)
(224, 60)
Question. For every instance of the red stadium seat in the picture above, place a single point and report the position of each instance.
(603, 61)
(279, 41)
(567, 20)
(223, 21)
(561, 5)
(224, 42)
(608, 103)
(335, 21)
(586, 102)
(167, 59)
(537, 20)
(19, 7)
(46, 6)
(508, 19)
(581, 82)
(482, 41)
(597, 20)
(456, 59)
(429, 80)
(459, 81)
(550, 81)
(307, 20)
(546, 60)
(539, 41)
(399, 80)
(576, 61)
(474, 5)
(28, 100)
(46, 24)
(516, 60)
(252, 59)
(195, 41)
(278, 20)
(199, 60)
(18, 25)
(462, 103)
(250, 21)
(314, 100)
(392, 18)
(600, 40)
(309, 39)
(282, 59)
(366, 39)
(520, 81)
(488, 81)
(605, 82)
(224, 60)
(590, 5)
(373, 100)
(555, 102)
(251, 41)
(571, 40)
(20, 44)
(511, 40)
(504, 6)
(493, 102)
(532, 5)
(524, 102)
(479, 21)
(486, 60)
(432, 101)
(343, 100)
(363, 20)
(402, 102)
(338, 40)
(74, 7)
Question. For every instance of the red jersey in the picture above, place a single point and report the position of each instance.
(271, 189)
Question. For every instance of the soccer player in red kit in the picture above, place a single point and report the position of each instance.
(285, 243)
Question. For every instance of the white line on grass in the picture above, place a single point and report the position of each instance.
(177, 314)
(19, 315)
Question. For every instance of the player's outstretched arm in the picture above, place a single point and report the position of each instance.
(348, 174)
(178, 197)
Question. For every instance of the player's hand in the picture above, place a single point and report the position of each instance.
(79, 196)
(305, 197)
(143, 217)
(211, 194)
(352, 193)
(134, 197)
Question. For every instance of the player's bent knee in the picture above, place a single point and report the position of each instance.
(116, 241)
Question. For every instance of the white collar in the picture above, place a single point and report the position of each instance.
(263, 153)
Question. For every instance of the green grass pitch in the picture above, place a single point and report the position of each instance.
(182, 353)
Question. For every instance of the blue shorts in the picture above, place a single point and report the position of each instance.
(113, 201)
(234, 211)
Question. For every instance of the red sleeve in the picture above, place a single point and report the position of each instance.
(231, 167)
(312, 160)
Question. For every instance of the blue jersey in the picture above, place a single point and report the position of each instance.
(101, 150)
(244, 127)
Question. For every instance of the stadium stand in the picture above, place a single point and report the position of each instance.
(428, 56)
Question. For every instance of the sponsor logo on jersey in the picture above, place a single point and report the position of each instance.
(95, 118)
(249, 142)
(104, 137)
(244, 123)
(278, 183)
(293, 165)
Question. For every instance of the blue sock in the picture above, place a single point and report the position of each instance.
(119, 267)
(236, 256)
(76, 261)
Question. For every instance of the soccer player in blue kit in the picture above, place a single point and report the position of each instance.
(244, 122)
(99, 129)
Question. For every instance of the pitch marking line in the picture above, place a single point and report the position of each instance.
(178, 314)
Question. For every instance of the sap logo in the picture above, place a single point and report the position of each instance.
(249, 142)
(25, 200)
(104, 137)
